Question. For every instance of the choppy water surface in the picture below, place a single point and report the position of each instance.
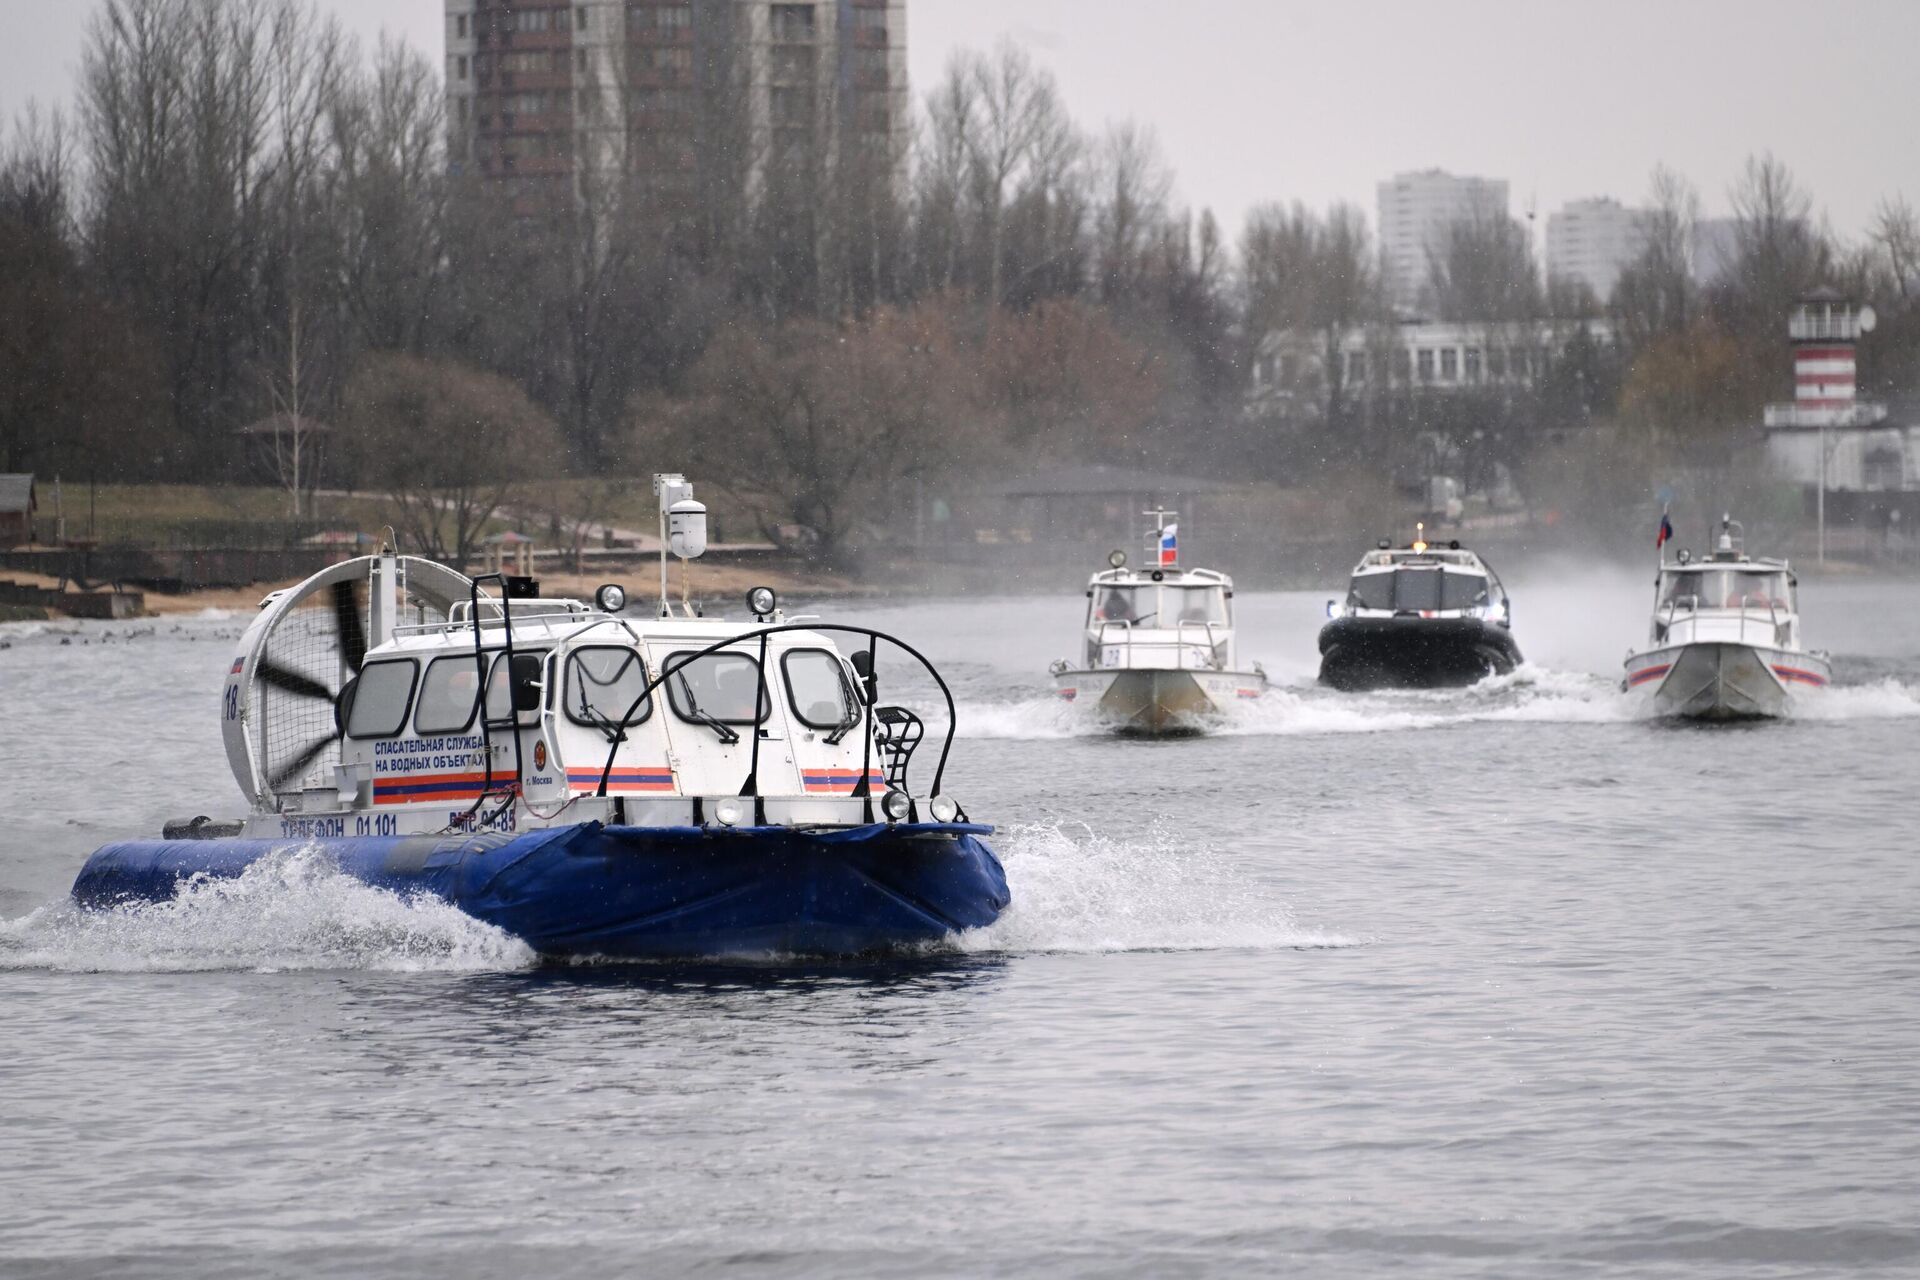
(1500, 982)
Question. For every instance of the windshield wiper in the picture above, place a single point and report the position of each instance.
(724, 732)
(854, 717)
(605, 724)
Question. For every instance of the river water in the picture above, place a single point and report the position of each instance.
(1502, 982)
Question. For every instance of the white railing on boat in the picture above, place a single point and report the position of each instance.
(1777, 626)
(1180, 644)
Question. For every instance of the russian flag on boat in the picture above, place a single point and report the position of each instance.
(1666, 532)
(1170, 544)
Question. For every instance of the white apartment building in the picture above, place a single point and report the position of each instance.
(539, 89)
(1593, 241)
(1416, 211)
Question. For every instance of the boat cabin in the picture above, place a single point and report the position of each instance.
(552, 713)
(1736, 600)
(1427, 582)
(1161, 618)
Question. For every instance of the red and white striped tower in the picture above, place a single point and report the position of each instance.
(1824, 328)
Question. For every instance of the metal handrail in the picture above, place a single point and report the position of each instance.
(513, 711)
(1179, 632)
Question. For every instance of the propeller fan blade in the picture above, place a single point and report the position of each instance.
(347, 625)
(298, 766)
(290, 681)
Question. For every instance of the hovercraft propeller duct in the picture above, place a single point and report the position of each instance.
(288, 688)
(351, 635)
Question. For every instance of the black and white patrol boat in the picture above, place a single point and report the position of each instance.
(593, 782)
(1421, 616)
(1158, 650)
(1725, 642)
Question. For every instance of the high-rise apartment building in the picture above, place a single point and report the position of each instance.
(1416, 212)
(546, 89)
(1594, 241)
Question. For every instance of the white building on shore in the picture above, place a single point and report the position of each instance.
(1593, 241)
(1416, 212)
(1290, 366)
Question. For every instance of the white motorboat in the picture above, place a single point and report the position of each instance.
(1725, 640)
(1158, 651)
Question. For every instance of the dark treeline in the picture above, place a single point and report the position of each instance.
(247, 217)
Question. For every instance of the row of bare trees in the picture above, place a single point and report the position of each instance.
(244, 206)
(248, 216)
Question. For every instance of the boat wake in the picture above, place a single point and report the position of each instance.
(1884, 699)
(289, 911)
(1080, 892)
(1527, 694)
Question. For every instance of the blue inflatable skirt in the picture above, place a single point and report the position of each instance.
(593, 890)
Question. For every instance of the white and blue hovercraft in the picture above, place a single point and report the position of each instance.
(593, 783)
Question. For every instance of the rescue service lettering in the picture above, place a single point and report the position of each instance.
(428, 755)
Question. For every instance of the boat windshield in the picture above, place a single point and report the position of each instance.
(1159, 604)
(720, 686)
(1420, 590)
(1125, 604)
(1727, 589)
(1195, 604)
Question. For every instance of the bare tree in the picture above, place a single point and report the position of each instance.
(1014, 122)
(941, 181)
(450, 445)
(175, 105)
(1484, 271)
(1779, 253)
(1311, 284)
(389, 198)
(1134, 184)
(304, 63)
(1895, 234)
(1655, 295)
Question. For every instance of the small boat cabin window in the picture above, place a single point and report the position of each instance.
(1194, 604)
(449, 696)
(602, 683)
(499, 700)
(1124, 604)
(717, 686)
(818, 688)
(1756, 588)
(1419, 590)
(382, 693)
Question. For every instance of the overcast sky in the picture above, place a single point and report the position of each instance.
(1303, 99)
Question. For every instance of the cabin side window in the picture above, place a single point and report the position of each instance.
(499, 699)
(818, 689)
(602, 686)
(717, 686)
(381, 695)
(449, 696)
